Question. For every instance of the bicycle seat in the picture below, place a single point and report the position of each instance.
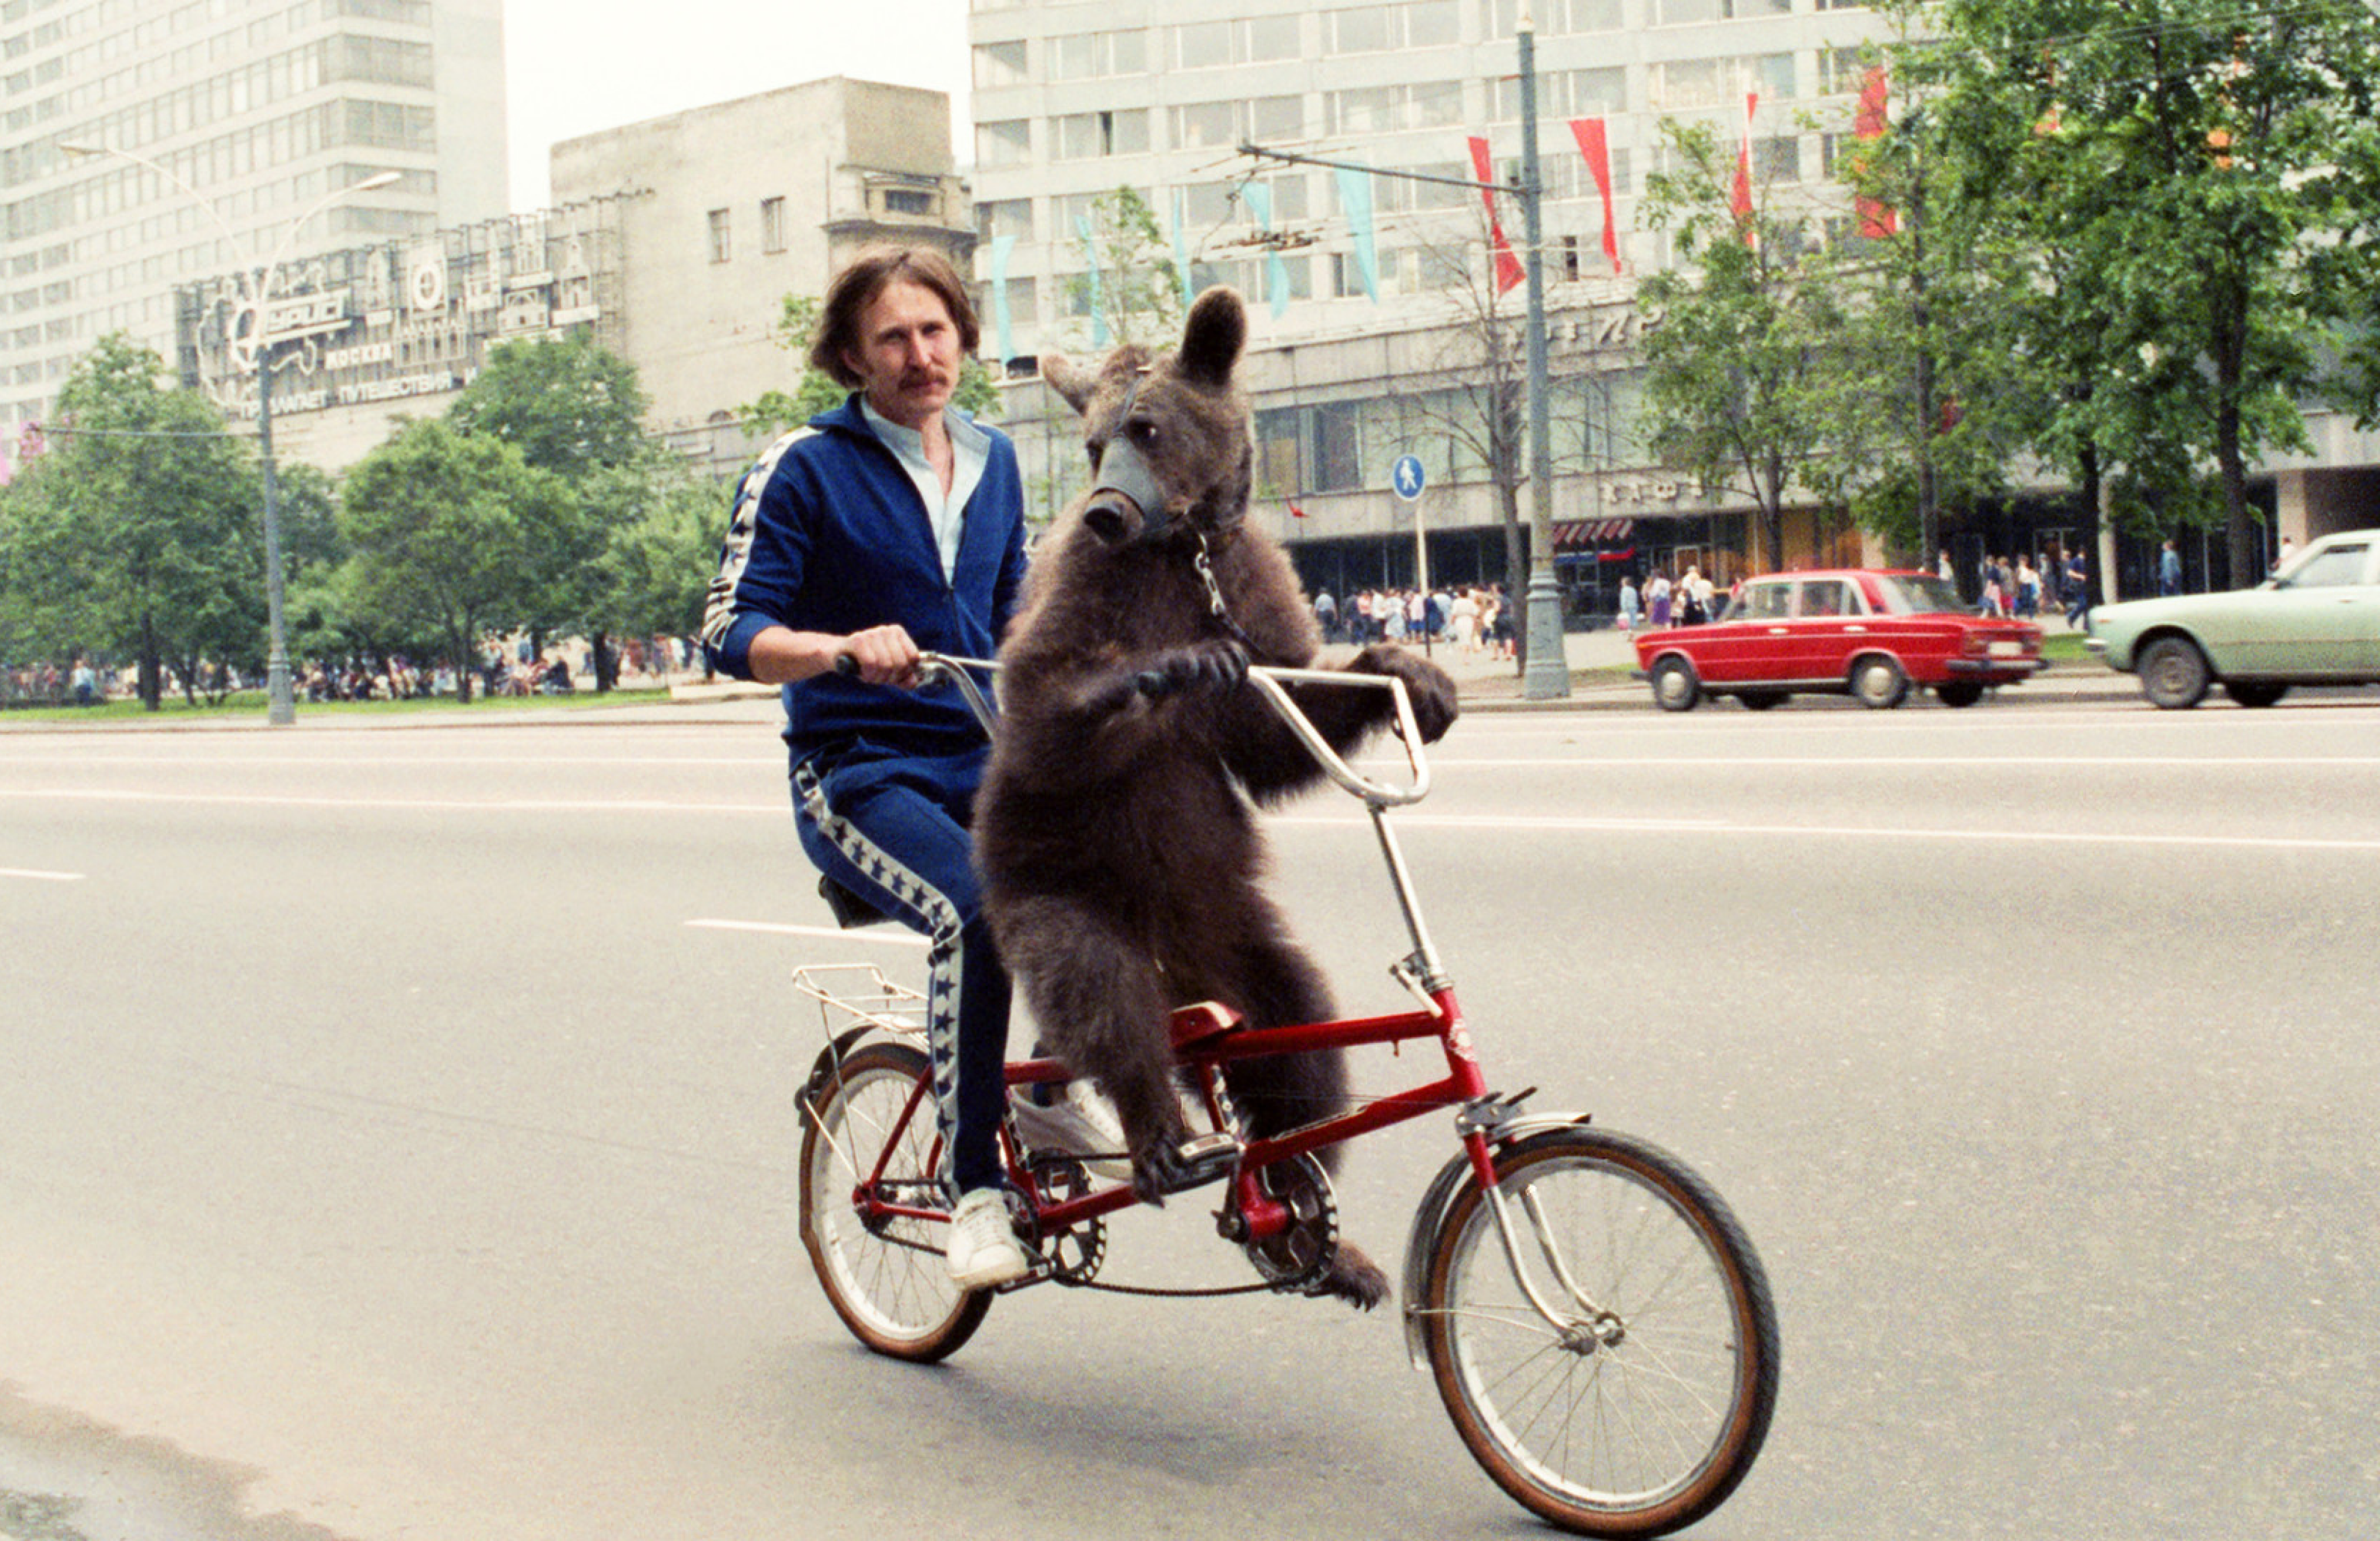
(1203, 1024)
(850, 910)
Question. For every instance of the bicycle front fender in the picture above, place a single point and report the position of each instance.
(1430, 1215)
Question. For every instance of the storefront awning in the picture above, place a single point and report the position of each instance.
(1571, 535)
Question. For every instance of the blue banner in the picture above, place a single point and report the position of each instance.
(1000, 328)
(1355, 198)
(1099, 303)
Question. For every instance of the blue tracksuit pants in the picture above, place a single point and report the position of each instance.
(894, 832)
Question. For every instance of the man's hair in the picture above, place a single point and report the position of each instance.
(867, 275)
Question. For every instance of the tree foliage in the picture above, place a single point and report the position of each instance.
(2178, 169)
(1745, 372)
(445, 527)
(137, 533)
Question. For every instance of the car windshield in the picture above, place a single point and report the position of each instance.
(1918, 595)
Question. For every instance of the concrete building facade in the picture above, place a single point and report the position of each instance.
(1359, 356)
(1370, 339)
(364, 335)
(149, 144)
(725, 211)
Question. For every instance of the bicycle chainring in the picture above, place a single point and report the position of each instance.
(1076, 1252)
(1298, 1258)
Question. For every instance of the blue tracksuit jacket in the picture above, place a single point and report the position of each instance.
(830, 535)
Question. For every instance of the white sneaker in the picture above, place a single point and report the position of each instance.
(1081, 1123)
(983, 1248)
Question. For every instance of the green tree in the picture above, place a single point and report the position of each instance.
(1744, 373)
(1129, 286)
(2177, 168)
(575, 410)
(658, 567)
(443, 528)
(136, 531)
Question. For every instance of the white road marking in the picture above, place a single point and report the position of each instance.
(773, 928)
(442, 805)
(1837, 831)
(39, 876)
(1993, 763)
(1408, 820)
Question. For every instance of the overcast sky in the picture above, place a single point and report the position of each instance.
(572, 69)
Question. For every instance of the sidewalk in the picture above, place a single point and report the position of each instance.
(1601, 664)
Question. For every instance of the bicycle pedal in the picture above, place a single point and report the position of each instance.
(1201, 1160)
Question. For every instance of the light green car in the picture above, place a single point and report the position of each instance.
(2316, 622)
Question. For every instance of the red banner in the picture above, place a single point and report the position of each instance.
(1509, 271)
(1876, 217)
(1740, 197)
(1592, 144)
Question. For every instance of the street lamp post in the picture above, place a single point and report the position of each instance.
(1546, 676)
(281, 708)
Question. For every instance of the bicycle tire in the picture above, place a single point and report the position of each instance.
(1644, 1433)
(888, 1283)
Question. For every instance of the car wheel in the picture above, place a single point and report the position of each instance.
(2174, 674)
(1760, 700)
(2254, 693)
(1878, 681)
(1959, 693)
(1674, 686)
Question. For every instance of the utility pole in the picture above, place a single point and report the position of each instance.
(1546, 676)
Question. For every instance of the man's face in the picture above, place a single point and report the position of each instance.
(907, 359)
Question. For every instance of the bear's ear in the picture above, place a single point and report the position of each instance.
(1069, 379)
(1211, 339)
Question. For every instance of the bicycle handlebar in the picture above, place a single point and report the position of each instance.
(1271, 682)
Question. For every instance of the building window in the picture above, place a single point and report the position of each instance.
(1554, 17)
(1096, 136)
(772, 224)
(1681, 84)
(998, 64)
(1387, 109)
(908, 201)
(1223, 125)
(1567, 93)
(1841, 71)
(1088, 55)
(1682, 12)
(1219, 44)
(1007, 216)
(720, 247)
(1374, 28)
(1007, 143)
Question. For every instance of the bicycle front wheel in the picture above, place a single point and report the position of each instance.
(1640, 1409)
(868, 1140)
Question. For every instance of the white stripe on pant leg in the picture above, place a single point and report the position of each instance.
(945, 959)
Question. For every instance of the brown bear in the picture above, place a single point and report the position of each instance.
(1114, 834)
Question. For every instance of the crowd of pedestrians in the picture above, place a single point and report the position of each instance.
(513, 669)
(1477, 619)
(2023, 588)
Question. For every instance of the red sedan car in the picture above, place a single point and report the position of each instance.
(1871, 634)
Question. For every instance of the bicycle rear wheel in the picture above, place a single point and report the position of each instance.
(1641, 1411)
(864, 1138)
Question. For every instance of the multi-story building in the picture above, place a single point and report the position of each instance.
(363, 336)
(1369, 292)
(725, 211)
(152, 144)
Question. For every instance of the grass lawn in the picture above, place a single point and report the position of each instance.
(243, 704)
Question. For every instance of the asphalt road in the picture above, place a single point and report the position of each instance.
(384, 1152)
